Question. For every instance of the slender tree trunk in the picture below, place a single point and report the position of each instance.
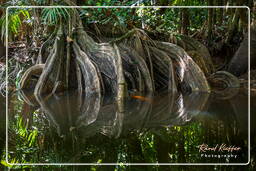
(210, 21)
(243, 19)
(214, 12)
(234, 21)
(253, 23)
(221, 12)
(2, 49)
(185, 21)
(225, 2)
(180, 25)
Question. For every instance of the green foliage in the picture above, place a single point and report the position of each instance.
(25, 142)
(188, 3)
(16, 17)
(115, 17)
(53, 16)
(148, 147)
(18, 78)
(108, 2)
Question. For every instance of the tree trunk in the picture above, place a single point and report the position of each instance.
(234, 21)
(239, 63)
(221, 12)
(214, 13)
(98, 69)
(2, 49)
(210, 21)
(185, 21)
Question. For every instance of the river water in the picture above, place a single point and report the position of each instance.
(165, 128)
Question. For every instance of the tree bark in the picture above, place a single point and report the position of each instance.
(221, 12)
(210, 21)
(239, 63)
(185, 21)
(2, 49)
(234, 21)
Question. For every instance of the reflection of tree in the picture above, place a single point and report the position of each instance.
(77, 123)
(147, 131)
(227, 122)
(70, 111)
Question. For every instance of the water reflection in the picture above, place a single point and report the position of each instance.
(70, 111)
(165, 128)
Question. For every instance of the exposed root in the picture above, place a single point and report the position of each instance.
(136, 63)
(121, 82)
(224, 84)
(89, 72)
(31, 76)
(50, 74)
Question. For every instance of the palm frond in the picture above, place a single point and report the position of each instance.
(53, 16)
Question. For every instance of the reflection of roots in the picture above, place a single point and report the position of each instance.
(137, 63)
(224, 84)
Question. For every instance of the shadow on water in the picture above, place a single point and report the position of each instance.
(167, 128)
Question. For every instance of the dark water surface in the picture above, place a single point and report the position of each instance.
(166, 128)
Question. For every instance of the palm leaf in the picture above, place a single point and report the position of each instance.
(52, 16)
